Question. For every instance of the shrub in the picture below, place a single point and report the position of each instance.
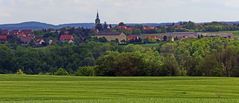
(61, 71)
(86, 71)
(20, 72)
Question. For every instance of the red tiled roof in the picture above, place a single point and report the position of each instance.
(14, 32)
(148, 28)
(108, 33)
(121, 27)
(152, 37)
(25, 36)
(3, 37)
(126, 28)
(133, 37)
(26, 39)
(66, 37)
(26, 31)
(4, 31)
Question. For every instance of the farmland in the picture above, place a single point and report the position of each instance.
(71, 89)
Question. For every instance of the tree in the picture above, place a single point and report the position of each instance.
(190, 25)
(227, 57)
(170, 66)
(122, 24)
(61, 71)
(7, 61)
(20, 72)
(131, 61)
(86, 71)
(210, 67)
(102, 39)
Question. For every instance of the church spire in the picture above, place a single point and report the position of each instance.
(97, 16)
(98, 25)
(97, 20)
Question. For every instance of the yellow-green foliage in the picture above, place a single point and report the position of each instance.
(20, 72)
(61, 71)
(86, 71)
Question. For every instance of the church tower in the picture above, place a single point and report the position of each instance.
(98, 25)
(97, 20)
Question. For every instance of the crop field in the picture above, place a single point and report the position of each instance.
(71, 89)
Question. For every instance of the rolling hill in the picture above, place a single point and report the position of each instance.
(38, 25)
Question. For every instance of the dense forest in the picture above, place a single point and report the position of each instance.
(199, 57)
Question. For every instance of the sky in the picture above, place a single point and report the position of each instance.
(115, 11)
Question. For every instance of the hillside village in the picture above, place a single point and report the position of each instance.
(118, 34)
(121, 33)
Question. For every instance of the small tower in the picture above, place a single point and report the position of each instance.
(105, 26)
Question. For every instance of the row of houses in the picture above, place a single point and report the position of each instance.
(131, 28)
(27, 36)
(64, 37)
(24, 36)
(122, 38)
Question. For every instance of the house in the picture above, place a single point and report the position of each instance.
(27, 31)
(183, 35)
(25, 40)
(66, 37)
(178, 36)
(24, 33)
(39, 41)
(148, 28)
(112, 36)
(50, 42)
(25, 36)
(227, 35)
(133, 37)
(14, 32)
(127, 28)
(5, 31)
(152, 37)
(218, 34)
(3, 37)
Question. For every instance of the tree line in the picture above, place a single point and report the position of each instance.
(201, 57)
(185, 27)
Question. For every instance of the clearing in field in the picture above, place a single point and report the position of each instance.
(55, 89)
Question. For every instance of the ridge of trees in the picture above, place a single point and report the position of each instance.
(202, 57)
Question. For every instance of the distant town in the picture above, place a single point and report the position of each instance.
(121, 33)
(119, 51)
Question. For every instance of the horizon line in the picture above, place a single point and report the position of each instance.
(118, 22)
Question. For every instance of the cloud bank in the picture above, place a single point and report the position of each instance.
(114, 11)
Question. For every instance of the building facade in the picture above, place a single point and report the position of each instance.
(112, 36)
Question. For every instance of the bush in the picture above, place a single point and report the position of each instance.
(20, 72)
(61, 71)
(86, 71)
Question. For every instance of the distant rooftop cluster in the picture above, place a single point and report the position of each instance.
(30, 37)
(123, 33)
(120, 33)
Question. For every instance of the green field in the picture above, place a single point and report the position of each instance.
(56, 89)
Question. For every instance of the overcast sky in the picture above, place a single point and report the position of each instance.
(114, 11)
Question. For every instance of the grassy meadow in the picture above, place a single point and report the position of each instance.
(71, 89)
